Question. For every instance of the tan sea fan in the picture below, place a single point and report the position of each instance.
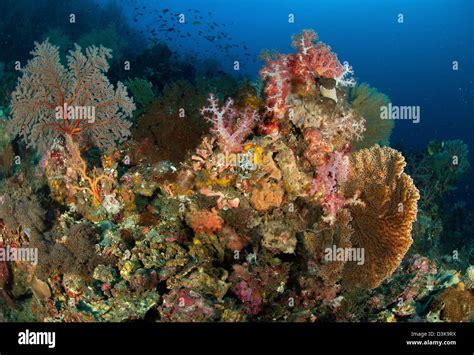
(383, 226)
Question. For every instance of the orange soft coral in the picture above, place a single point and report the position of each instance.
(207, 222)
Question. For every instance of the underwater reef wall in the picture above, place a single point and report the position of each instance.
(272, 215)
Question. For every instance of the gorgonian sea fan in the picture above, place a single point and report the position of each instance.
(46, 86)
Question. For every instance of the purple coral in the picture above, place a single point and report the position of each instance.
(249, 296)
(330, 177)
(231, 126)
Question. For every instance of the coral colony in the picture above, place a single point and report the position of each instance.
(283, 207)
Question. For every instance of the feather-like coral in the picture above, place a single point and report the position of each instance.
(46, 87)
(367, 101)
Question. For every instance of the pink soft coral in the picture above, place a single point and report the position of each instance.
(329, 178)
(231, 126)
(249, 296)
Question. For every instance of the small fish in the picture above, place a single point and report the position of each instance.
(196, 23)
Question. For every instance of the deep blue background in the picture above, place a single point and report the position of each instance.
(410, 62)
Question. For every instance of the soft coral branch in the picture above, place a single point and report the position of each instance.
(231, 126)
(330, 177)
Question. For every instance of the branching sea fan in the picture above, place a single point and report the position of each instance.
(51, 101)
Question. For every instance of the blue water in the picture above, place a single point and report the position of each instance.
(411, 62)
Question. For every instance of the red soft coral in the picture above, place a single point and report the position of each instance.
(280, 71)
(277, 76)
(314, 57)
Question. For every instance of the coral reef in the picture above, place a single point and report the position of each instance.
(232, 201)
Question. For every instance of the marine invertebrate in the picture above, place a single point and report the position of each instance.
(278, 237)
(76, 255)
(337, 127)
(317, 148)
(329, 178)
(207, 222)
(454, 305)
(223, 201)
(249, 296)
(382, 226)
(230, 125)
(233, 241)
(313, 58)
(266, 195)
(277, 77)
(295, 182)
(367, 101)
(451, 163)
(186, 305)
(79, 177)
(439, 169)
(21, 208)
(142, 92)
(469, 277)
(346, 78)
(338, 235)
(50, 100)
